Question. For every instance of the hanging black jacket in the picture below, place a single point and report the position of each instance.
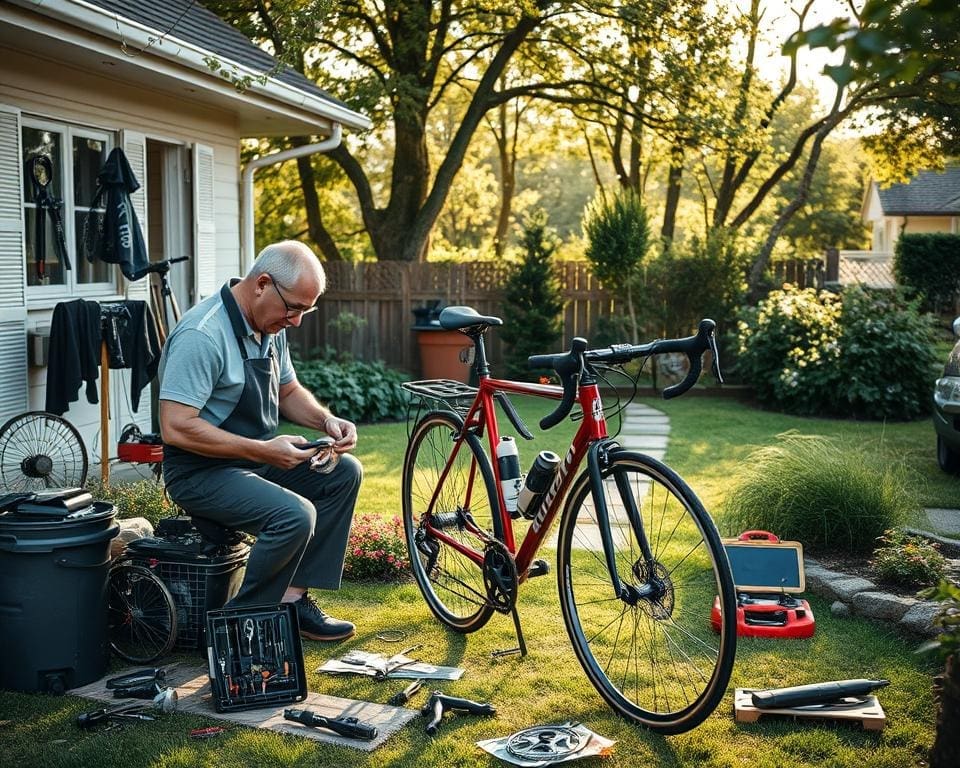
(74, 354)
(136, 346)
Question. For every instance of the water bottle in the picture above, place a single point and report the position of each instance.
(538, 482)
(508, 460)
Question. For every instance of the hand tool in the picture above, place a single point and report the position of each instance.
(401, 698)
(345, 726)
(438, 703)
(817, 693)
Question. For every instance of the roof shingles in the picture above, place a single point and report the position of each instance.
(206, 30)
(929, 193)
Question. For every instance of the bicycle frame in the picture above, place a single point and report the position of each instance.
(482, 417)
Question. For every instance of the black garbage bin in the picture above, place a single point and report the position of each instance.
(53, 596)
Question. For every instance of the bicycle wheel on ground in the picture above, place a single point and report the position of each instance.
(142, 617)
(450, 581)
(652, 655)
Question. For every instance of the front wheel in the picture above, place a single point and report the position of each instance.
(451, 582)
(651, 652)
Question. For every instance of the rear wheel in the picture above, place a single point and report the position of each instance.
(451, 583)
(652, 653)
(141, 614)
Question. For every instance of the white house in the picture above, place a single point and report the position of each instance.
(929, 202)
(79, 77)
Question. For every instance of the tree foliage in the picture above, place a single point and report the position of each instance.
(532, 301)
(618, 236)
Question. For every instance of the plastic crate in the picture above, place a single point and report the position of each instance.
(201, 577)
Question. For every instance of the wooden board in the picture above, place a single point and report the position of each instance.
(869, 714)
(193, 690)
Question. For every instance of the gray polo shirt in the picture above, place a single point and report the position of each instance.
(201, 365)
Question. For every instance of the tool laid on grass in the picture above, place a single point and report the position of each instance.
(350, 727)
(401, 698)
(830, 693)
(439, 703)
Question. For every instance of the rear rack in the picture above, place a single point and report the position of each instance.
(444, 394)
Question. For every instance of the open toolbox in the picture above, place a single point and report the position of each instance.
(255, 657)
(768, 577)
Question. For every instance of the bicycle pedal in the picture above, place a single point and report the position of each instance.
(539, 567)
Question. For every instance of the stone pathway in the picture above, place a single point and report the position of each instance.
(644, 429)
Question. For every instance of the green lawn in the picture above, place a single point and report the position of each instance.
(710, 438)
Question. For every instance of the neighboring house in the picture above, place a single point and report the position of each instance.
(79, 77)
(929, 202)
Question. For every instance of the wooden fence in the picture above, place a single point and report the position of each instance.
(383, 295)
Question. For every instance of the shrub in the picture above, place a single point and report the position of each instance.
(142, 498)
(377, 550)
(532, 302)
(697, 279)
(910, 561)
(930, 264)
(618, 236)
(863, 353)
(361, 392)
(827, 495)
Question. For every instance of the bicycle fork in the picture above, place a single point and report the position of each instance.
(597, 458)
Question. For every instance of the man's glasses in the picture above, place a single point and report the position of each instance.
(291, 311)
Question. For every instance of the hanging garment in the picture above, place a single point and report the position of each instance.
(133, 342)
(115, 236)
(74, 354)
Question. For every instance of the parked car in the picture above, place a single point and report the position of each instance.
(946, 409)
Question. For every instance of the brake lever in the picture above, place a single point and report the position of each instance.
(716, 357)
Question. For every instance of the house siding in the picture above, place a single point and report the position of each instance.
(56, 90)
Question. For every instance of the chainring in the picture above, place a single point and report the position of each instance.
(545, 742)
(500, 576)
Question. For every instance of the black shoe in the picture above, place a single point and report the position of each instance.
(316, 625)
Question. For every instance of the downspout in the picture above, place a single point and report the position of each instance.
(246, 184)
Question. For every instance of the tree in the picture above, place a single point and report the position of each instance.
(618, 236)
(532, 301)
(396, 61)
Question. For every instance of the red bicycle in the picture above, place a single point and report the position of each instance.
(639, 560)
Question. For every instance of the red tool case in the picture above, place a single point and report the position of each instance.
(768, 576)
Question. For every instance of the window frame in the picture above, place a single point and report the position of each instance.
(71, 288)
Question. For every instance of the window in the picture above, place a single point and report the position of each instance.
(76, 155)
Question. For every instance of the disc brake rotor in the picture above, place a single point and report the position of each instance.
(545, 742)
(500, 576)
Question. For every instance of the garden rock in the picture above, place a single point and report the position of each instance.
(845, 588)
(919, 618)
(816, 575)
(882, 605)
(839, 608)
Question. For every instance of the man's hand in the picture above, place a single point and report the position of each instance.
(283, 451)
(343, 431)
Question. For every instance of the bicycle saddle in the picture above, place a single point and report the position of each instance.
(458, 318)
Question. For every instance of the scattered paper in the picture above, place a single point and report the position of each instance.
(545, 751)
(380, 666)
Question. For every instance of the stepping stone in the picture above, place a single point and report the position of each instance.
(633, 427)
(645, 442)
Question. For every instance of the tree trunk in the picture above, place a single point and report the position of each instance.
(945, 752)
(316, 230)
(507, 156)
(674, 176)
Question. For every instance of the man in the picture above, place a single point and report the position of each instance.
(225, 375)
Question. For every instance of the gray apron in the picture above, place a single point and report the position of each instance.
(255, 415)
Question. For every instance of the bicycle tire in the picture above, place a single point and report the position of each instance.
(453, 585)
(657, 662)
(142, 616)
